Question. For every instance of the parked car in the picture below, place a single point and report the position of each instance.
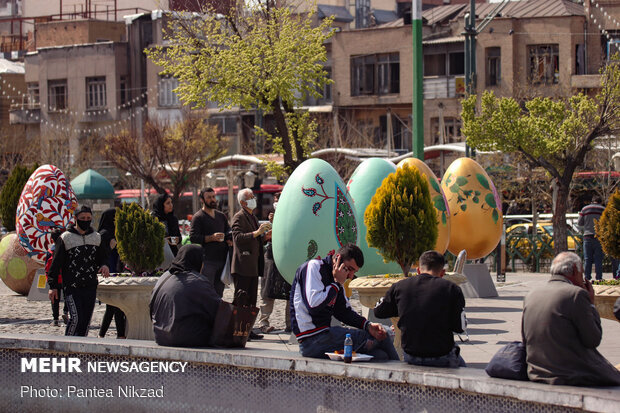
(545, 228)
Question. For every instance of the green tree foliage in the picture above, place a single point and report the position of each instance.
(608, 227)
(11, 191)
(139, 237)
(265, 56)
(552, 134)
(401, 220)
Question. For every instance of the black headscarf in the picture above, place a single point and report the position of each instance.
(157, 206)
(107, 220)
(171, 222)
(189, 258)
(106, 226)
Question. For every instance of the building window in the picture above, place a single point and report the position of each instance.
(388, 68)
(435, 65)
(375, 74)
(33, 94)
(325, 92)
(444, 64)
(401, 136)
(57, 94)
(493, 57)
(95, 93)
(451, 130)
(362, 13)
(456, 63)
(124, 89)
(167, 95)
(227, 125)
(544, 65)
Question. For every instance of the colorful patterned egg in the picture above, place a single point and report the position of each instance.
(315, 215)
(475, 207)
(439, 202)
(47, 201)
(17, 270)
(362, 186)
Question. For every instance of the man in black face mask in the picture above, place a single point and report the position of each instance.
(79, 255)
(210, 229)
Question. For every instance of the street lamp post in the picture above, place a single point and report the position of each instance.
(418, 81)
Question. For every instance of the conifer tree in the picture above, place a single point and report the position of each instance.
(401, 220)
(608, 227)
(11, 191)
(139, 237)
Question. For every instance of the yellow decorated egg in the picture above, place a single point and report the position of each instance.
(315, 216)
(475, 208)
(439, 202)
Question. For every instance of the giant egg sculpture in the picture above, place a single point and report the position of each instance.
(17, 270)
(362, 186)
(476, 209)
(315, 215)
(47, 201)
(439, 202)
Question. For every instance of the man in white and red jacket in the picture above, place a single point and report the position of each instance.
(317, 294)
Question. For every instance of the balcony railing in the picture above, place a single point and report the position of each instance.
(442, 87)
(25, 114)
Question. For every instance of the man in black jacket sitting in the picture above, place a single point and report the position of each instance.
(430, 311)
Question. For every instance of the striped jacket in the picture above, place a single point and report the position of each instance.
(316, 297)
(587, 216)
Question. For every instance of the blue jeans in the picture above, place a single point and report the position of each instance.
(592, 254)
(333, 339)
(452, 359)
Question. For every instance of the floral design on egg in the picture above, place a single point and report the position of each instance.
(311, 192)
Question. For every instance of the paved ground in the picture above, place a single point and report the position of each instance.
(492, 321)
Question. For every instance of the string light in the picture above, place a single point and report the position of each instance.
(605, 16)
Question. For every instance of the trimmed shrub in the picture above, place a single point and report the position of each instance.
(140, 238)
(11, 191)
(401, 220)
(608, 227)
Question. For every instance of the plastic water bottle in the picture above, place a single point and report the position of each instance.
(348, 348)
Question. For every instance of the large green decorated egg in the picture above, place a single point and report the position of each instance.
(315, 215)
(362, 187)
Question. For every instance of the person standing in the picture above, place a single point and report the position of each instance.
(162, 209)
(271, 274)
(79, 255)
(561, 329)
(107, 230)
(56, 232)
(430, 310)
(210, 229)
(248, 261)
(592, 250)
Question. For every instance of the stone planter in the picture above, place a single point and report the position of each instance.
(132, 295)
(372, 289)
(604, 298)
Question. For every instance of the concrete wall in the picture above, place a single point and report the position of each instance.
(70, 32)
(253, 380)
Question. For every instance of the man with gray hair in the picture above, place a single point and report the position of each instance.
(561, 329)
(248, 260)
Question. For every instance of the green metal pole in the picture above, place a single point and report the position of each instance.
(418, 81)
